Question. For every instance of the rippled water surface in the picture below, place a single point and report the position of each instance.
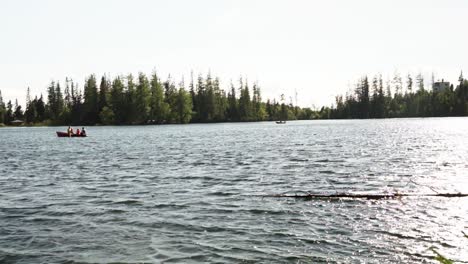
(189, 193)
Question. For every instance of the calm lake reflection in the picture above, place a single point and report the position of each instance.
(187, 193)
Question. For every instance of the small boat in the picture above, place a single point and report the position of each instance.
(65, 134)
(281, 122)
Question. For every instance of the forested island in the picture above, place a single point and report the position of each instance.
(126, 100)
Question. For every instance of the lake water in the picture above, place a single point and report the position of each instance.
(189, 193)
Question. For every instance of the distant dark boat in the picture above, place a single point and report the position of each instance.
(281, 122)
(65, 134)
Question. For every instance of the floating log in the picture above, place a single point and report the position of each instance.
(364, 196)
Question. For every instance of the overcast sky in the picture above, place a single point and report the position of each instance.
(318, 48)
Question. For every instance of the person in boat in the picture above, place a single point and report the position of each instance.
(78, 132)
(83, 132)
(70, 131)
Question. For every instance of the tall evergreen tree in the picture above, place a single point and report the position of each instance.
(220, 102)
(68, 95)
(9, 115)
(40, 109)
(382, 101)
(420, 82)
(159, 109)
(461, 100)
(170, 97)
(103, 93)
(143, 96)
(118, 101)
(30, 113)
(374, 100)
(209, 100)
(59, 103)
(397, 83)
(363, 97)
(258, 107)
(245, 106)
(18, 114)
(51, 102)
(90, 107)
(283, 113)
(233, 112)
(183, 106)
(409, 83)
(130, 104)
(201, 114)
(76, 110)
(193, 95)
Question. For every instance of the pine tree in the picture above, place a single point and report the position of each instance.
(233, 113)
(170, 97)
(183, 105)
(193, 96)
(59, 103)
(76, 110)
(103, 93)
(283, 113)
(269, 109)
(30, 112)
(18, 114)
(201, 114)
(40, 109)
(118, 101)
(398, 84)
(409, 83)
(461, 100)
(159, 109)
(420, 82)
(209, 100)
(90, 106)
(220, 102)
(200, 111)
(130, 105)
(374, 100)
(382, 100)
(9, 116)
(363, 96)
(68, 96)
(259, 111)
(51, 102)
(245, 107)
(143, 96)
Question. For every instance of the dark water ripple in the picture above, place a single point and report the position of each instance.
(187, 194)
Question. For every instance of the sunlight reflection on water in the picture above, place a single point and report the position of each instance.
(183, 192)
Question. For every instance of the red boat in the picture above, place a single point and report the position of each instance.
(65, 134)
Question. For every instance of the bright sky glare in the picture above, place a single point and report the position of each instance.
(318, 48)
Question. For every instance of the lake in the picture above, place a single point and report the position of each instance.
(192, 193)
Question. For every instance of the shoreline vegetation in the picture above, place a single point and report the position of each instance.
(126, 100)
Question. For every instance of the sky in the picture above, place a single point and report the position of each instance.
(317, 49)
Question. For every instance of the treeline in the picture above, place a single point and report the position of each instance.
(126, 100)
(373, 99)
(149, 100)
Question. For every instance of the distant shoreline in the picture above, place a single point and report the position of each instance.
(227, 122)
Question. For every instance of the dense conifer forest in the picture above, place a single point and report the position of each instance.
(129, 100)
(372, 98)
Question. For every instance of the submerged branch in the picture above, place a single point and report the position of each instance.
(364, 196)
